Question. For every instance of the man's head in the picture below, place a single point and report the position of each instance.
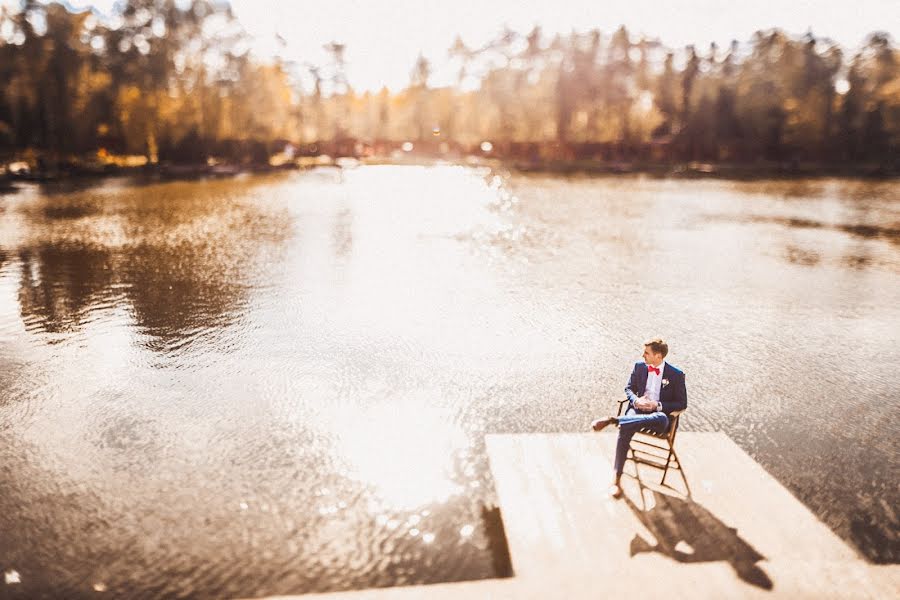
(655, 351)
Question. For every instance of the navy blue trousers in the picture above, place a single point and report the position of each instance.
(629, 424)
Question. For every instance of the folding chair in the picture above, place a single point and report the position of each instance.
(653, 452)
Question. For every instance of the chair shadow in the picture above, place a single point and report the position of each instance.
(688, 532)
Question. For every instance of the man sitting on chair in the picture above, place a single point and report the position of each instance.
(655, 389)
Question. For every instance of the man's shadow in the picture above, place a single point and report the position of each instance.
(687, 532)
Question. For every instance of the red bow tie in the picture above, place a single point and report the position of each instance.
(651, 368)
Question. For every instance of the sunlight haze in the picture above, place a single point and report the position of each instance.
(383, 39)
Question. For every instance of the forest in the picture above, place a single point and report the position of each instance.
(165, 82)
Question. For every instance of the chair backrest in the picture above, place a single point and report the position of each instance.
(673, 428)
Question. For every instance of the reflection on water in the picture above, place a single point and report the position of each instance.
(866, 231)
(281, 384)
(179, 258)
(375, 443)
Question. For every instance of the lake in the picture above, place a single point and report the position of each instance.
(281, 384)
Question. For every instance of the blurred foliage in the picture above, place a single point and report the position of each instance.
(177, 82)
(168, 83)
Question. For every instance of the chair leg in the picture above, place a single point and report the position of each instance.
(668, 460)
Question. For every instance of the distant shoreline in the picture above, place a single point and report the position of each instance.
(692, 170)
(696, 170)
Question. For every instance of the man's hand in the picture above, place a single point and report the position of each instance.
(645, 404)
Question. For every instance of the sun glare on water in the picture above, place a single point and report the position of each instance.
(404, 449)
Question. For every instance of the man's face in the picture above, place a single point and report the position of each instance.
(651, 357)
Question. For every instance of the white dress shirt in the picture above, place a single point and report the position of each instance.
(654, 385)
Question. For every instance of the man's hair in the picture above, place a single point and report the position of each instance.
(657, 346)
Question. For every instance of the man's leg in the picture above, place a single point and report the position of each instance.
(629, 424)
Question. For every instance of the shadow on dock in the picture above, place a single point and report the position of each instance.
(688, 532)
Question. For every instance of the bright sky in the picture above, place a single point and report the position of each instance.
(383, 38)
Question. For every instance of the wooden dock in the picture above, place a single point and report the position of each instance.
(734, 533)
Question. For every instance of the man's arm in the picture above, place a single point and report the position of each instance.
(631, 386)
(679, 397)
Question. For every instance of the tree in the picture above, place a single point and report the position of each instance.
(418, 90)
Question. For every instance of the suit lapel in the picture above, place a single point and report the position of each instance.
(663, 388)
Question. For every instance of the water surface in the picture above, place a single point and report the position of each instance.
(281, 384)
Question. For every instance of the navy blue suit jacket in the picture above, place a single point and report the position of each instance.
(672, 396)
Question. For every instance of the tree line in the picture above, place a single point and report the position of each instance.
(177, 81)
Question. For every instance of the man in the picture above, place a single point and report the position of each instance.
(655, 390)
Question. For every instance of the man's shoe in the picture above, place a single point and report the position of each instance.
(615, 490)
(599, 424)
